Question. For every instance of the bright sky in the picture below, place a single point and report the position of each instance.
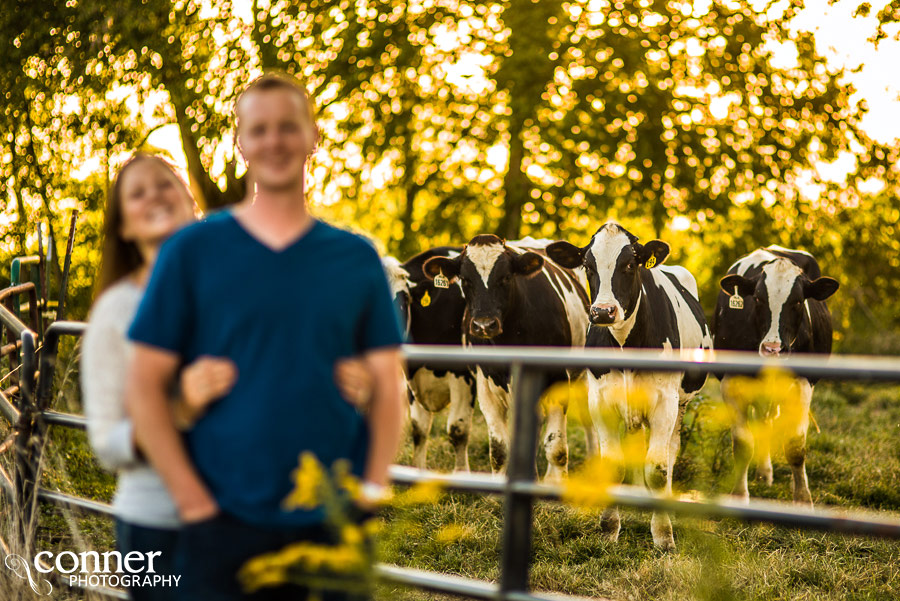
(840, 38)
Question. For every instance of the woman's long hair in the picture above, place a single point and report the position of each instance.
(121, 257)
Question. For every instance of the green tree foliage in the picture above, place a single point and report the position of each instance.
(442, 119)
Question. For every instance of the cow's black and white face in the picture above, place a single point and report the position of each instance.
(776, 303)
(399, 281)
(612, 261)
(487, 271)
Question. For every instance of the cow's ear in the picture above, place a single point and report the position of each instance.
(438, 265)
(565, 254)
(821, 288)
(744, 286)
(651, 254)
(527, 263)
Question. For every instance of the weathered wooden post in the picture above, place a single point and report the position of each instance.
(27, 448)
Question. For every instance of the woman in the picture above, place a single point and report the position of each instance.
(147, 203)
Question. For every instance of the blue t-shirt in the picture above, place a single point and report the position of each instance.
(284, 317)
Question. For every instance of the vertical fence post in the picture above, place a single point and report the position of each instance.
(515, 564)
(27, 448)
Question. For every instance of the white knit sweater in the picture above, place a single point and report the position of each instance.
(106, 352)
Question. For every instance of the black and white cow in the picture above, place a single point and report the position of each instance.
(637, 303)
(433, 316)
(772, 302)
(515, 295)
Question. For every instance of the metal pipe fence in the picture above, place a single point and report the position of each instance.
(30, 413)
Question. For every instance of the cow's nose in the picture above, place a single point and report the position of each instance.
(771, 349)
(485, 327)
(603, 314)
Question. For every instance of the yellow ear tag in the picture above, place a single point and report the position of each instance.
(426, 299)
(736, 302)
(650, 262)
(441, 281)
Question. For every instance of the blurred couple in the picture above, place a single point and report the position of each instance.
(217, 352)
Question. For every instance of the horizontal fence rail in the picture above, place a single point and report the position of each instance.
(518, 487)
(773, 512)
(833, 367)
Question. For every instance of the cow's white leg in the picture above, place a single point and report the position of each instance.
(420, 427)
(795, 445)
(494, 403)
(556, 446)
(675, 439)
(742, 447)
(742, 443)
(763, 454)
(658, 467)
(607, 420)
(459, 422)
(580, 409)
(591, 442)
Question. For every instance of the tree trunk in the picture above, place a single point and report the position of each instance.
(515, 187)
(40, 189)
(407, 245)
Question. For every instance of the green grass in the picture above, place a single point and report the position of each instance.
(853, 462)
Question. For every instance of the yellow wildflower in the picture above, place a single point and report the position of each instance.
(272, 569)
(346, 480)
(717, 415)
(373, 527)
(555, 396)
(452, 533)
(308, 478)
(589, 487)
(775, 407)
(260, 572)
(423, 493)
(634, 448)
(352, 534)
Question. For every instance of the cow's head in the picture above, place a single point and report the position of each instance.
(400, 284)
(488, 270)
(775, 302)
(612, 260)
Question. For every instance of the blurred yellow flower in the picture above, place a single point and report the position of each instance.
(588, 488)
(772, 404)
(346, 480)
(307, 558)
(555, 396)
(352, 534)
(308, 478)
(423, 493)
(717, 415)
(373, 527)
(452, 533)
(634, 448)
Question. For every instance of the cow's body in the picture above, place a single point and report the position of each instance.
(781, 311)
(634, 306)
(516, 296)
(433, 316)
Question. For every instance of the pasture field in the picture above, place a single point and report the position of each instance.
(853, 462)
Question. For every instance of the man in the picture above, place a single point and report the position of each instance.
(284, 296)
